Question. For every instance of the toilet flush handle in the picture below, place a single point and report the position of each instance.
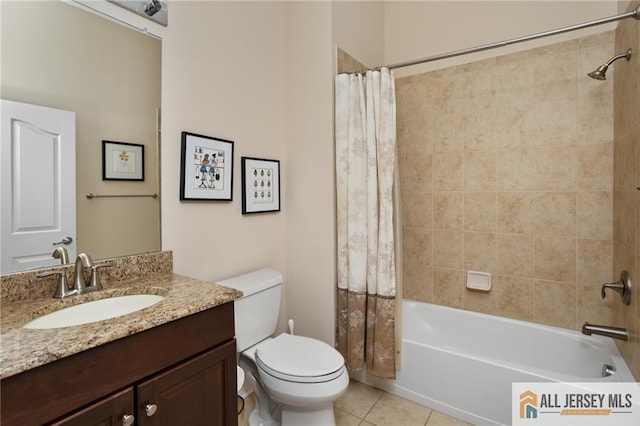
(291, 326)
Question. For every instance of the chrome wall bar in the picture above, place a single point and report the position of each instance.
(633, 14)
(91, 195)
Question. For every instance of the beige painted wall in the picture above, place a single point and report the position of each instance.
(260, 74)
(223, 76)
(424, 28)
(308, 144)
(60, 56)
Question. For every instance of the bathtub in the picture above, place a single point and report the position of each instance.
(463, 363)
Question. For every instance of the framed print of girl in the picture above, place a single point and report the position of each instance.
(206, 168)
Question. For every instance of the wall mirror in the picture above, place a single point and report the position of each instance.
(62, 56)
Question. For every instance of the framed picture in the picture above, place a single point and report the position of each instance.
(260, 185)
(206, 168)
(122, 161)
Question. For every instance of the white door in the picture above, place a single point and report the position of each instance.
(38, 189)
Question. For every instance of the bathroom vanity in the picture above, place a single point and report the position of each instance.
(170, 364)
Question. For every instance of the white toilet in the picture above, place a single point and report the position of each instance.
(300, 376)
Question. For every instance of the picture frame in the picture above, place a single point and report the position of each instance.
(206, 168)
(122, 161)
(260, 185)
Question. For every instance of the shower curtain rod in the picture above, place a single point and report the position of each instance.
(633, 14)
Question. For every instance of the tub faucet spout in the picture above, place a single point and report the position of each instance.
(605, 330)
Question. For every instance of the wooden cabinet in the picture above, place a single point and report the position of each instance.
(185, 369)
(192, 393)
(110, 411)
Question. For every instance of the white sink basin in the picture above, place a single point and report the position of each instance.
(97, 310)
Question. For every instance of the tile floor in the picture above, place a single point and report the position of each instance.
(368, 406)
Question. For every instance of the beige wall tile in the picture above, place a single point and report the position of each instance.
(417, 209)
(515, 169)
(479, 129)
(417, 176)
(480, 171)
(594, 261)
(448, 132)
(624, 161)
(514, 297)
(555, 122)
(480, 211)
(448, 172)
(447, 287)
(625, 217)
(595, 214)
(555, 303)
(418, 283)
(517, 126)
(555, 214)
(448, 210)
(479, 301)
(448, 249)
(418, 134)
(417, 247)
(522, 179)
(559, 84)
(478, 89)
(595, 167)
(556, 168)
(480, 251)
(555, 259)
(591, 307)
(446, 94)
(515, 255)
(515, 212)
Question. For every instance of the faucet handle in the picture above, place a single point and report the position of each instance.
(623, 287)
(62, 290)
(94, 283)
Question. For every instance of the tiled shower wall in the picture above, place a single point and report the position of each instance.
(507, 167)
(626, 198)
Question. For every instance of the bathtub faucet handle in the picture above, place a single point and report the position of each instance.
(623, 287)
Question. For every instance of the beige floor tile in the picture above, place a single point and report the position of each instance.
(391, 410)
(358, 399)
(345, 419)
(366, 423)
(438, 419)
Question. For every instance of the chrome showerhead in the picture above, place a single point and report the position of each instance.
(601, 71)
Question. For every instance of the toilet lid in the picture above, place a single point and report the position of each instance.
(299, 359)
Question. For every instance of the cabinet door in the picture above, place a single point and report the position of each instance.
(197, 392)
(110, 411)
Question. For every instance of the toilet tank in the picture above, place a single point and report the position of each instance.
(256, 312)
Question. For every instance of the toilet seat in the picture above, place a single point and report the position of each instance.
(299, 359)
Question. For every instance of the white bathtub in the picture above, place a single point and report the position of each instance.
(463, 363)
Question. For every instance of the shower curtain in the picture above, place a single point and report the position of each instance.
(365, 169)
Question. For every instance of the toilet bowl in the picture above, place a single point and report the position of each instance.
(300, 376)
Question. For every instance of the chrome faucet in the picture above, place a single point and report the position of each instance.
(82, 261)
(62, 254)
(604, 330)
(62, 289)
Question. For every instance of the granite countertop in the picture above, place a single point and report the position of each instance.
(22, 349)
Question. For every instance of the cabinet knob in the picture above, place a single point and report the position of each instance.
(128, 419)
(150, 409)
